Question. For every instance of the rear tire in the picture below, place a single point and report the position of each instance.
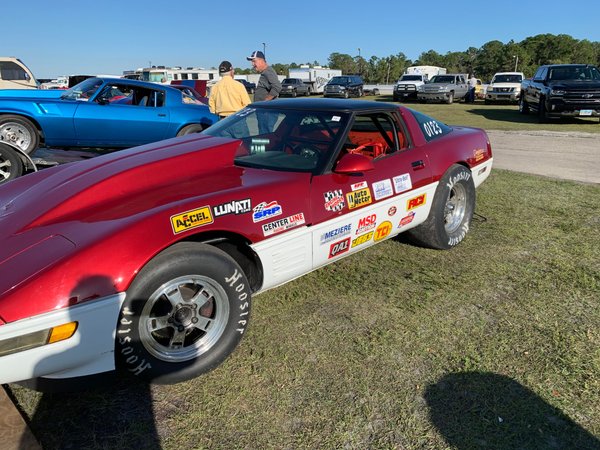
(189, 129)
(451, 211)
(20, 132)
(11, 164)
(185, 312)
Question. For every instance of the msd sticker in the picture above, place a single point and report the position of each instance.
(366, 223)
(337, 248)
(359, 198)
(334, 200)
(191, 219)
(382, 189)
(284, 224)
(402, 183)
(265, 210)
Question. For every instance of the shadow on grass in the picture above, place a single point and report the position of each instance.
(119, 416)
(513, 116)
(486, 410)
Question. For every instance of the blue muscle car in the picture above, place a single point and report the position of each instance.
(101, 113)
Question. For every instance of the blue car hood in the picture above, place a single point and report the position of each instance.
(31, 94)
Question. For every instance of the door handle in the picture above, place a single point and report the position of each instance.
(418, 165)
(162, 115)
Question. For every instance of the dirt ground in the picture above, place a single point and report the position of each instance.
(569, 155)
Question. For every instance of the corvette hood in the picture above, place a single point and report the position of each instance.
(140, 178)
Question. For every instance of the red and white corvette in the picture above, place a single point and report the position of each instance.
(145, 260)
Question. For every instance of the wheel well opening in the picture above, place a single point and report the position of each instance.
(239, 249)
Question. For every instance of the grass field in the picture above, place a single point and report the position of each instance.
(494, 344)
(495, 116)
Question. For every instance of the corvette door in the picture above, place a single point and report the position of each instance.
(122, 116)
(354, 210)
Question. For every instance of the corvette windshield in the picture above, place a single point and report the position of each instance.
(83, 91)
(280, 139)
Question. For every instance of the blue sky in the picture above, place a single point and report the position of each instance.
(107, 37)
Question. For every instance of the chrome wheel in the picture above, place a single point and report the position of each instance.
(455, 208)
(184, 318)
(16, 134)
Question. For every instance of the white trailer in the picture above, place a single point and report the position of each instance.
(316, 77)
(428, 71)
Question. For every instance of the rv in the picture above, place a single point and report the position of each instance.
(164, 75)
(15, 75)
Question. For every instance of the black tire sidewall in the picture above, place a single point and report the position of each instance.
(181, 259)
(432, 233)
(16, 164)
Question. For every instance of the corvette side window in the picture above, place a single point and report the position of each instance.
(372, 135)
(431, 128)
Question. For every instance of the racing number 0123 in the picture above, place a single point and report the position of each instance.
(432, 128)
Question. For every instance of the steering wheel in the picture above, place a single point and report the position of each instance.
(305, 149)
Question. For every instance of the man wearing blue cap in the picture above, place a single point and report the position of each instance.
(268, 86)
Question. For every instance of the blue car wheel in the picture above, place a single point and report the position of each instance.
(19, 132)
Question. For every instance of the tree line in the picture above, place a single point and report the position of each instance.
(493, 56)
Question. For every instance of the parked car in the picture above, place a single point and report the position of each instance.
(344, 86)
(504, 87)
(294, 87)
(250, 87)
(145, 260)
(444, 88)
(98, 112)
(562, 90)
(190, 95)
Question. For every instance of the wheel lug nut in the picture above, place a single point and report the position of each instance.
(195, 320)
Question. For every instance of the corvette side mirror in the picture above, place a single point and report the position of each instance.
(353, 163)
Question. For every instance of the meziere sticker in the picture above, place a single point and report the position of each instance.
(191, 219)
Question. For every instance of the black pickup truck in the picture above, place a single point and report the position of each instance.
(562, 90)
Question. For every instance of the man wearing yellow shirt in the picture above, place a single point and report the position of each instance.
(227, 96)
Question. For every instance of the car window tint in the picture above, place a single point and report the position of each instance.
(431, 128)
(297, 141)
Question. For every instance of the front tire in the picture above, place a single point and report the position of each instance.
(450, 98)
(20, 132)
(185, 312)
(523, 105)
(451, 211)
(11, 165)
(542, 115)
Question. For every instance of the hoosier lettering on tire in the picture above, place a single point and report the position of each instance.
(185, 312)
(451, 212)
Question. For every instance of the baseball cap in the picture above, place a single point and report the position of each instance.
(225, 67)
(256, 54)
